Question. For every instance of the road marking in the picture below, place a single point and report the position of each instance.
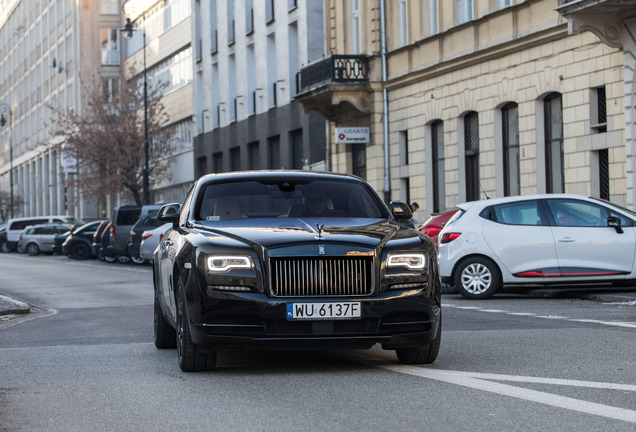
(622, 324)
(484, 382)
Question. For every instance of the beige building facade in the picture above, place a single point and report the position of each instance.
(470, 99)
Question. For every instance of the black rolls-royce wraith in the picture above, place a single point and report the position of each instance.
(293, 260)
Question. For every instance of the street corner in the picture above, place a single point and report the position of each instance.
(11, 306)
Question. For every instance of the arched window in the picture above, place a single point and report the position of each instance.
(553, 110)
(471, 143)
(510, 135)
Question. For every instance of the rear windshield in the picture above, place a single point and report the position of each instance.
(147, 223)
(20, 225)
(318, 198)
(127, 216)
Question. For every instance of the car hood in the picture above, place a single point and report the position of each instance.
(284, 232)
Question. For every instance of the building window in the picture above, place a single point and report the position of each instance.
(553, 112)
(110, 46)
(217, 162)
(230, 22)
(510, 133)
(273, 152)
(464, 11)
(249, 16)
(202, 166)
(598, 108)
(503, 4)
(404, 22)
(214, 34)
(471, 145)
(253, 157)
(430, 18)
(439, 180)
(269, 11)
(296, 149)
(272, 70)
(235, 158)
(404, 147)
(603, 174)
(355, 26)
(109, 7)
(359, 160)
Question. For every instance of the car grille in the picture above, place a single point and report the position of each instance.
(321, 276)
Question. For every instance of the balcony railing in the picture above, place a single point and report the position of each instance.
(337, 69)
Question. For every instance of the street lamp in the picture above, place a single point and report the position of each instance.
(6, 109)
(128, 30)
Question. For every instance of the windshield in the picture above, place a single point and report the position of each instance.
(318, 198)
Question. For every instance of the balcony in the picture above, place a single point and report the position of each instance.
(334, 85)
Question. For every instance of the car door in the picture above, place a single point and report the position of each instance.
(520, 237)
(585, 244)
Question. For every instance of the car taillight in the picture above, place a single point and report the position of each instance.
(112, 230)
(449, 237)
(160, 238)
(145, 236)
(133, 236)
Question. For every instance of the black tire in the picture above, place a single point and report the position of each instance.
(423, 355)
(477, 278)
(80, 251)
(165, 336)
(32, 249)
(137, 260)
(109, 258)
(123, 259)
(191, 359)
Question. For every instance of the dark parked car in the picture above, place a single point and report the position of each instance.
(78, 245)
(101, 244)
(96, 243)
(293, 260)
(124, 218)
(144, 223)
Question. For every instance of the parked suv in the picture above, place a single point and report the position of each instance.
(124, 218)
(15, 226)
(39, 238)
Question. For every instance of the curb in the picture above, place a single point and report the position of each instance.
(11, 306)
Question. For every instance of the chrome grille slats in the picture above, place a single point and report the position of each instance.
(325, 276)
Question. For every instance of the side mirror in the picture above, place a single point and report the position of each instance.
(401, 211)
(170, 213)
(615, 222)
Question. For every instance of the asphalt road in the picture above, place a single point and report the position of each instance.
(84, 360)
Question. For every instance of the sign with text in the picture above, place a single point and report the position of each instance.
(352, 135)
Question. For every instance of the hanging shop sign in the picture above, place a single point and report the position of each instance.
(352, 135)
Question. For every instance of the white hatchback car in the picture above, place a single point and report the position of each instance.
(537, 239)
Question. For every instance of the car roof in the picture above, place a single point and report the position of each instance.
(277, 174)
(501, 200)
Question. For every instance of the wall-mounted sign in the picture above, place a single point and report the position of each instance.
(352, 135)
(69, 163)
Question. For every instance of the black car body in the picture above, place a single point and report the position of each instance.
(245, 264)
(96, 242)
(78, 244)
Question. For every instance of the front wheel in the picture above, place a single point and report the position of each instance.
(477, 278)
(32, 249)
(424, 355)
(80, 251)
(191, 359)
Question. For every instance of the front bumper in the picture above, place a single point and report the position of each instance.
(396, 319)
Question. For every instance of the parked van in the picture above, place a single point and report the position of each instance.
(124, 218)
(15, 226)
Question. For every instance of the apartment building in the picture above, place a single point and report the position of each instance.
(167, 58)
(49, 49)
(469, 99)
(248, 54)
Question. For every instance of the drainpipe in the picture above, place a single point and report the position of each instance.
(385, 104)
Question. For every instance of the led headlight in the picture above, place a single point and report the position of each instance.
(412, 261)
(222, 263)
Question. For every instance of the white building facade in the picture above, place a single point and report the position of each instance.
(248, 54)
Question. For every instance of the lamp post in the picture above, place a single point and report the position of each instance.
(128, 30)
(6, 109)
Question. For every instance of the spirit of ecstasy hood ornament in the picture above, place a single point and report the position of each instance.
(320, 228)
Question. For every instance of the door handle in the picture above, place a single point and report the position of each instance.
(567, 240)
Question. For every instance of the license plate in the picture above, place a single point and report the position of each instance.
(323, 311)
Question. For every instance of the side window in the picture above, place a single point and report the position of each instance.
(577, 213)
(518, 213)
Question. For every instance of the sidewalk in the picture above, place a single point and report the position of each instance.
(11, 306)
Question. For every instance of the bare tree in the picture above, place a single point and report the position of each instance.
(5, 205)
(107, 139)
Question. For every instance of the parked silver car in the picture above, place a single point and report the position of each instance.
(39, 238)
(537, 239)
(150, 239)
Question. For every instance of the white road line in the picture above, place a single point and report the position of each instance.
(553, 317)
(483, 381)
